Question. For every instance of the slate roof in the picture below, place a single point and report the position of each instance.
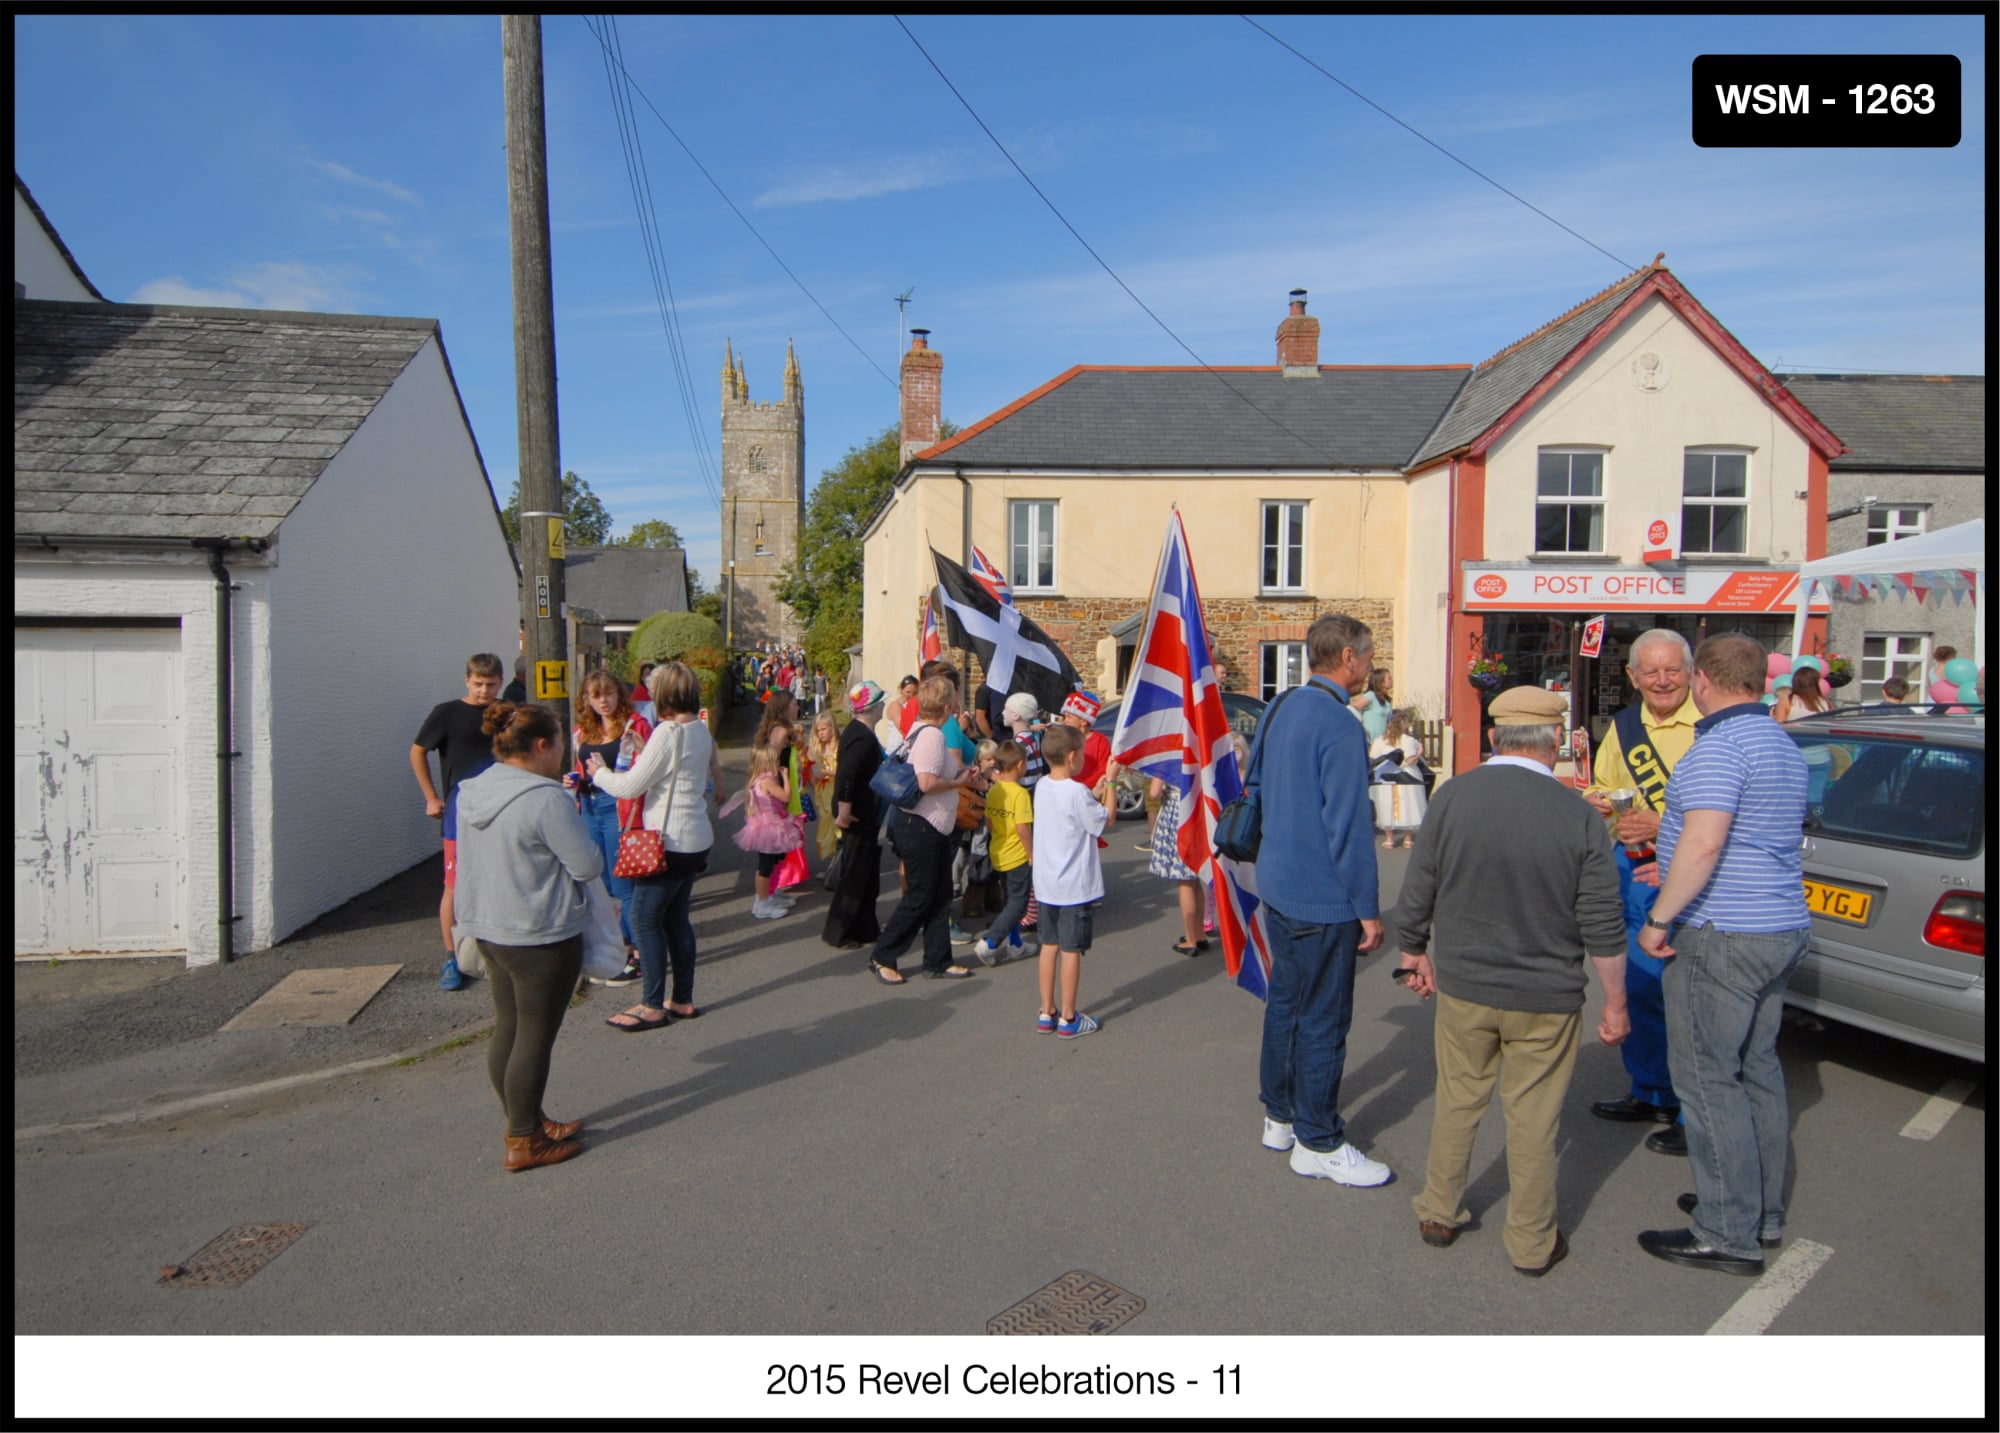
(625, 584)
(1164, 418)
(1504, 379)
(140, 420)
(1899, 423)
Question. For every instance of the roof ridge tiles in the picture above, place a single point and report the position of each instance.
(1628, 280)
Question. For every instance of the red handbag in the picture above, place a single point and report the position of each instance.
(640, 852)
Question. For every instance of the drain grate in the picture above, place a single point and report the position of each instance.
(1077, 1303)
(232, 1256)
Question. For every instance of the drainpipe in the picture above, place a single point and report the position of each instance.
(225, 740)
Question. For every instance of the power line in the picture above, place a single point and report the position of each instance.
(1622, 263)
(724, 194)
(1242, 396)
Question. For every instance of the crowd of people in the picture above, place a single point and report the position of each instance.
(1675, 877)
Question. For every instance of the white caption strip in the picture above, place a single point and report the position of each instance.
(1937, 1109)
(1775, 1287)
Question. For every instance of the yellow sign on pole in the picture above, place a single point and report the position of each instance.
(555, 539)
(551, 680)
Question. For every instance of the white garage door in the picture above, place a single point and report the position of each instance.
(99, 811)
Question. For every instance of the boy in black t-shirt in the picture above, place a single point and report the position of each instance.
(455, 731)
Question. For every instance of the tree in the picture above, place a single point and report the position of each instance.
(586, 521)
(654, 532)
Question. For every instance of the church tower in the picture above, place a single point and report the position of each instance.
(763, 502)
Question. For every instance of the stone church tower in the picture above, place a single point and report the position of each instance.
(763, 502)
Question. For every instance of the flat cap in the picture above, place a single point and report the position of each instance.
(1529, 706)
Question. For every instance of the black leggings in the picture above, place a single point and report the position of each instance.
(532, 986)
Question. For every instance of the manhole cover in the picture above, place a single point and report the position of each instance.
(232, 1256)
(1077, 1303)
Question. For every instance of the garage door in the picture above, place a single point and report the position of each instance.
(99, 806)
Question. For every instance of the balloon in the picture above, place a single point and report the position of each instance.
(1961, 671)
(1809, 661)
(1770, 685)
(1943, 692)
(1768, 699)
(1777, 664)
(1956, 711)
(1782, 684)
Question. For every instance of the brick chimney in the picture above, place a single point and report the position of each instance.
(923, 393)
(1298, 340)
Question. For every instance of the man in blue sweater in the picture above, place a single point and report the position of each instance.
(1316, 877)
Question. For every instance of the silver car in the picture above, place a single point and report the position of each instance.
(1895, 872)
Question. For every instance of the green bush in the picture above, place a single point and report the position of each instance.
(711, 692)
(668, 636)
(826, 643)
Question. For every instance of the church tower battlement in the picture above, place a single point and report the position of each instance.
(763, 501)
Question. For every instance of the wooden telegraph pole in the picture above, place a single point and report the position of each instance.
(542, 552)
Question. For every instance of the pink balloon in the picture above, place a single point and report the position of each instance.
(1942, 691)
(1777, 664)
(1770, 684)
(1956, 711)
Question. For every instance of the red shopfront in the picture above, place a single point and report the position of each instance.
(1533, 617)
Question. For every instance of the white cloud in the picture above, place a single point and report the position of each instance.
(898, 175)
(305, 288)
(334, 170)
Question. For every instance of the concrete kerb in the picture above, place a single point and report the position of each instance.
(265, 1087)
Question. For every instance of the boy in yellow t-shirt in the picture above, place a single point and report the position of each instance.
(1010, 845)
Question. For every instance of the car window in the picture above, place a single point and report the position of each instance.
(1884, 791)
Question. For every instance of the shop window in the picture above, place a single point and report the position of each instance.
(1887, 655)
(1569, 501)
(1715, 501)
(1284, 668)
(1032, 546)
(1893, 524)
(1284, 547)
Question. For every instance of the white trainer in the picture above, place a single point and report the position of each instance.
(1278, 1134)
(766, 910)
(1345, 1165)
(984, 953)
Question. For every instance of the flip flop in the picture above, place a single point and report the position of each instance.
(639, 1022)
(1181, 948)
(888, 976)
(693, 1014)
(950, 972)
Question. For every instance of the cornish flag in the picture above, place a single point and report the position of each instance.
(1173, 726)
(930, 648)
(1018, 656)
(990, 577)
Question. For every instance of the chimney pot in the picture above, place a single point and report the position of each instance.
(920, 338)
(1298, 340)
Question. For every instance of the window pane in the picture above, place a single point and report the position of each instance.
(1587, 474)
(1587, 528)
(1017, 563)
(1272, 514)
(1270, 565)
(1697, 475)
(1552, 475)
(1732, 475)
(1551, 528)
(1727, 526)
(1694, 527)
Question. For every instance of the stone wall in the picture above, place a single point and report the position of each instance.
(763, 498)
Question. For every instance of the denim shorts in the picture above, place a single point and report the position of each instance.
(1067, 927)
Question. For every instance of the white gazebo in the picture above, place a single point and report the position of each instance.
(1947, 564)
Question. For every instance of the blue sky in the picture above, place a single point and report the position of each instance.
(357, 164)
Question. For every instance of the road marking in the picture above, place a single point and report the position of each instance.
(1776, 1287)
(1937, 1109)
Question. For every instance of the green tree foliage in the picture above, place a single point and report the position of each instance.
(826, 643)
(709, 604)
(654, 532)
(665, 636)
(586, 521)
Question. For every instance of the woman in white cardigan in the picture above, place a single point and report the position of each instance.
(677, 762)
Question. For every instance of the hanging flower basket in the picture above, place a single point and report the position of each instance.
(1486, 673)
(1839, 672)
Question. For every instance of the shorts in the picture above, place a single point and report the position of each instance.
(451, 841)
(1066, 927)
(767, 862)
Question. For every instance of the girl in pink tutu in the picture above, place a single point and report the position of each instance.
(768, 828)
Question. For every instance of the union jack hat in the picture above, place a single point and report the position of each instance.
(1080, 703)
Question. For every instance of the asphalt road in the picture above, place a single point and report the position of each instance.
(818, 1154)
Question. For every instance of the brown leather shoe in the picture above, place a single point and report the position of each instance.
(1438, 1236)
(1556, 1256)
(560, 1130)
(529, 1150)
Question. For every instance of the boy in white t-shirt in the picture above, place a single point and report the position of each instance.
(1069, 882)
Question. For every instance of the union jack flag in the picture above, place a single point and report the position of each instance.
(990, 577)
(1172, 725)
(932, 645)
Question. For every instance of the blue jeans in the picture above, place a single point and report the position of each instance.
(1016, 886)
(1306, 1015)
(1725, 997)
(659, 908)
(600, 814)
(1645, 1049)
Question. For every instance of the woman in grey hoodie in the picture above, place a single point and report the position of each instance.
(523, 860)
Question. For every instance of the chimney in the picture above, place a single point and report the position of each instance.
(923, 394)
(1298, 341)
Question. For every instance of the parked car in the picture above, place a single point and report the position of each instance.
(1895, 872)
(1243, 714)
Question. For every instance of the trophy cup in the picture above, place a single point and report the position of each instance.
(1623, 800)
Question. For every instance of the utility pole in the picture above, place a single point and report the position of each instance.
(543, 623)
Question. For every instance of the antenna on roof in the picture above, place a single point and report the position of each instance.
(902, 301)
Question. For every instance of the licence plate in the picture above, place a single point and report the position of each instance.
(1838, 902)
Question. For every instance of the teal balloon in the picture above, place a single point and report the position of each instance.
(1768, 700)
(1814, 662)
(1782, 684)
(1961, 671)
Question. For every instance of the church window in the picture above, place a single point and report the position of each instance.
(756, 457)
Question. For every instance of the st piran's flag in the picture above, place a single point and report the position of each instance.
(1018, 656)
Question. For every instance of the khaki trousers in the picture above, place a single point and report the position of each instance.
(1531, 1055)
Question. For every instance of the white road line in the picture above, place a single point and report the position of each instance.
(1775, 1287)
(1937, 1109)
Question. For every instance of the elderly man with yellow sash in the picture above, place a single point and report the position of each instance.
(1636, 756)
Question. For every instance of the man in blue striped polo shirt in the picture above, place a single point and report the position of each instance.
(1732, 900)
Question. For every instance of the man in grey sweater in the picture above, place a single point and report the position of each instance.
(1513, 883)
